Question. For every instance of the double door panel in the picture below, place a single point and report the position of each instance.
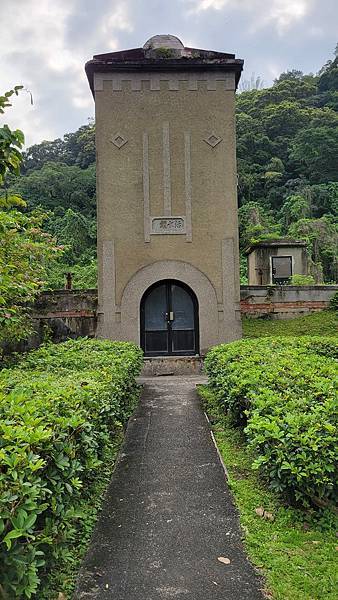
(169, 320)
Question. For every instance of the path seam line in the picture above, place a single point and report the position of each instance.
(217, 449)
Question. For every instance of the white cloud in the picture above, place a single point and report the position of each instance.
(284, 13)
(315, 31)
(34, 52)
(82, 101)
(207, 4)
(281, 14)
(117, 19)
(40, 53)
(29, 119)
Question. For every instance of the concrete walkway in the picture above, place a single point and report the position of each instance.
(168, 515)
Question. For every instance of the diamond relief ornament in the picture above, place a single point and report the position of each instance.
(118, 140)
(213, 140)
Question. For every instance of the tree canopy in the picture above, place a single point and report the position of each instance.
(25, 248)
(287, 149)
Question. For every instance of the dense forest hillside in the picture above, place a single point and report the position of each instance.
(287, 148)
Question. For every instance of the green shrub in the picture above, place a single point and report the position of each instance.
(60, 409)
(283, 391)
(297, 279)
(334, 302)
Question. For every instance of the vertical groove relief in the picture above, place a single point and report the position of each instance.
(228, 273)
(166, 171)
(146, 189)
(187, 183)
(108, 278)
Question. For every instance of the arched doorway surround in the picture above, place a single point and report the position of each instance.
(186, 273)
(169, 320)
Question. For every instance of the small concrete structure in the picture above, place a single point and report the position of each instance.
(275, 261)
(166, 192)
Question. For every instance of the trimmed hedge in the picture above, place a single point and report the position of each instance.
(60, 410)
(283, 391)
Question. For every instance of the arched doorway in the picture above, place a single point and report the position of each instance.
(169, 320)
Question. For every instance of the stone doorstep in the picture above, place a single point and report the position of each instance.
(172, 365)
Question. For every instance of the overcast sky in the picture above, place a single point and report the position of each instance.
(45, 44)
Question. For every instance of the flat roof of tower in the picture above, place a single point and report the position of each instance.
(163, 53)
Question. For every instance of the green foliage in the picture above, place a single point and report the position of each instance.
(11, 142)
(302, 280)
(293, 550)
(243, 270)
(314, 150)
(287, 144)
(76, 148)
(24, 250)
(163, 52)
(334, 302)
(84, 274)
(283, 391)
(58, 185)
(62, 576)
(256, 223)
(60, 409)
(60, 176)
(321, 236)
(319, 323)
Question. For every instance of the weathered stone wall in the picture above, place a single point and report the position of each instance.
(60, 315)
(284, 302)
(67, 313)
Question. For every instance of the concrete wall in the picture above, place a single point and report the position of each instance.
(166, 148)
(285, 302)
(60, 315)
(66, 314)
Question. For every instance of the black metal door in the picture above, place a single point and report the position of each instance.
(169, 320)
(281, 269)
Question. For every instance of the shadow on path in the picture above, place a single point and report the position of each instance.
(168, 514)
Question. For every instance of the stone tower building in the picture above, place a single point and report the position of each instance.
(166, 195)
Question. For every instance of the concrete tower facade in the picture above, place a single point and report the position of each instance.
(166, 196)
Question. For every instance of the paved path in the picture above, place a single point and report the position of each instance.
(168, 514)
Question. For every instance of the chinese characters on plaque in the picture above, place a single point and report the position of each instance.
(167, 225)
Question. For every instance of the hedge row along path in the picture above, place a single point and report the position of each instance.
(168, 516)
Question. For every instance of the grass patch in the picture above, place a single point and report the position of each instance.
(321, 323)
(296, 551)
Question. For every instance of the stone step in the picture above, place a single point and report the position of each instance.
(172, 365)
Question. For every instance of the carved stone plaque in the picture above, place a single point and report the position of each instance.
(167, 225)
